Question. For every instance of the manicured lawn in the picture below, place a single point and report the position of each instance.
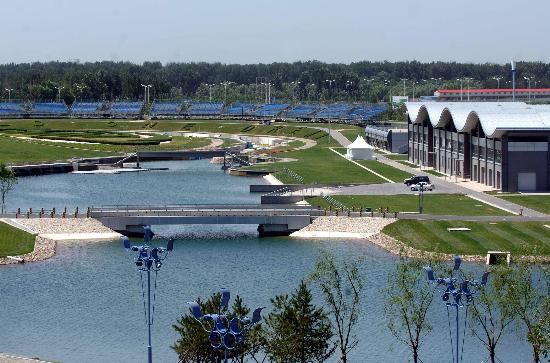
(320, 165)
(439, 204)
(519, 238)
(14, 242)
(396, 156)
(350, 134)
(539, 203)
(386, 170)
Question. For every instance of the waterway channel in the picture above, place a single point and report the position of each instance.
(84, 305)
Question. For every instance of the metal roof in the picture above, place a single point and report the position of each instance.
(493, 90)
(495, 118)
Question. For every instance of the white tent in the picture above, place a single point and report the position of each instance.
(360, 150)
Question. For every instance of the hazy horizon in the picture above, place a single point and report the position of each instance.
(251, 32)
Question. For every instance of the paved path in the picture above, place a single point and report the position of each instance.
(449, 187)
(9, 358)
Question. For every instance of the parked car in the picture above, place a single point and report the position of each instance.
(415, 179)
(425, 186)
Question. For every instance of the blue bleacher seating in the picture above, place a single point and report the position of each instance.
(204, 108)
(271, 109)
(86, 108)
(335, 110)
(302, 111)
(238, 109)
(126, 108)
(367, 112)
(165, 108)
(11, 109)
(50, 108)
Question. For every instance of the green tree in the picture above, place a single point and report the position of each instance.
(8, 179)
(193, 345)
(408, 297)
(342, 285)
(491, 312)
(297, 330)
(528, 295)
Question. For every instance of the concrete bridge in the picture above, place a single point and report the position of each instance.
(272, 220)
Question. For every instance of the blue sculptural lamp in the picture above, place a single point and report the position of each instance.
(148, 259)
(458, 293)
(225, 334)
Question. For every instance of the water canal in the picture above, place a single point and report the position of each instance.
(84, 305)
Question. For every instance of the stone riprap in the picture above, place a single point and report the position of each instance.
(50, 231)
(343, 227)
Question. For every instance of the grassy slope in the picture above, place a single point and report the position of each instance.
(539, 203)
(388, 171)
(524, 238)
(438, 204)
(14, 242)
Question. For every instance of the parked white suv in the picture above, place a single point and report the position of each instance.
(425, 186)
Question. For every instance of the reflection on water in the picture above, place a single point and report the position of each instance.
(84, 305)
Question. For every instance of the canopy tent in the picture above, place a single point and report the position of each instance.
(360, 150)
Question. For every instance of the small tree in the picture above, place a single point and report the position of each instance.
(193, 346)
(8, 179)
(528, 295)
(408, 297)
(341, 285)
(491, 310)
(298, 331)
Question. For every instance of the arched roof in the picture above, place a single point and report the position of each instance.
(495, 118)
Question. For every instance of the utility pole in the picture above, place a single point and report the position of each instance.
(59, 93)
(404, 80)
(513, 81)
(9, 93)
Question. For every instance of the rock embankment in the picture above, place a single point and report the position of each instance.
(344, 227)
(51, 231)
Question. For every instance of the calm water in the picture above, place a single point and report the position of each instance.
(84, 305)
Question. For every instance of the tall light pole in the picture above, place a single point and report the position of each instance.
(460, 80)
(528, 79)
(388, 83)
(224, 334)
(349, 86)
(404, 80)
(294, 85)
(513, 64)
(225, 84)
(413, 84)
(148, 259)
(59, 92)
(209, 90)
(498, 78)
(456, 293)
(9, 93)
(330, 83)
(79, 87)
(468, 79)
(146, 88)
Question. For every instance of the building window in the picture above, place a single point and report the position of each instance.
(498, 156)
(490, 154)
(481, 152)
(475, 151)
(461, 147)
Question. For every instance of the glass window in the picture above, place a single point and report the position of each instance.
(490, 154)
(498, 156)
(461, 147)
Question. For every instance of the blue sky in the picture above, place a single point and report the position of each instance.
(252, 31)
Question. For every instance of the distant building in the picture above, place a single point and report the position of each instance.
(494, 94)
(390, 139)
(500, 144)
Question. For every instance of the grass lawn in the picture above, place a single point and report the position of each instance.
(539, 203)
(14, 242)
(438, 204)
(386, 170)
(396, 156)
(320, 165)
(519, 238)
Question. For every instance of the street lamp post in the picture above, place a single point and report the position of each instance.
(294, 85)
(513, 64)
(528, 79)
(147, 92)
(9, 93)
(59, 92)
(404, 80)
(457, 293)
(330, 82)
(468, 79)
(225, 84)
(224, 334)
(413, 85)
(148, 259)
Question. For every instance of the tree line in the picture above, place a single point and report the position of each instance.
(310, 81)
(515, 300)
